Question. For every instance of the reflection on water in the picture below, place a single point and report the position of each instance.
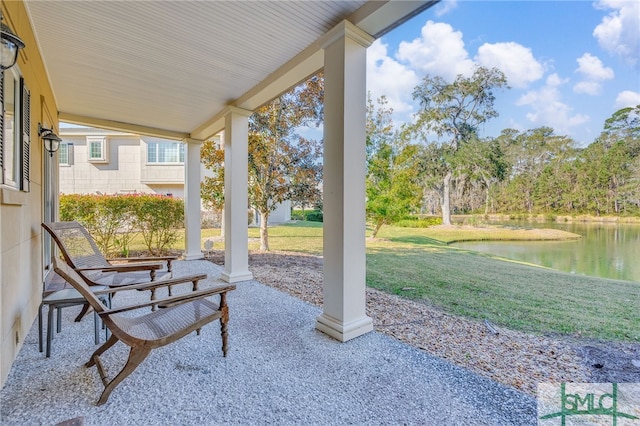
(605, 250)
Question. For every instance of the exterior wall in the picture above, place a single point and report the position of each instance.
(162, 176)
(124, 171)
(281, 214)
(21, 251)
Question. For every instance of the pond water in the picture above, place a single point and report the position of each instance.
(605, 250)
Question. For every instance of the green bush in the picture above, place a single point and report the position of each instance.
(157, 218)
(418, 222)
(297, 215)
(314, 216)
(114, 220)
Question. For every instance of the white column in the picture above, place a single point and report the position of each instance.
(344, 311)
(192, 203)
(236, 177)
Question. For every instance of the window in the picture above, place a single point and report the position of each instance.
(165, 152)
(64, 153)
(97, 146)
(15, 128)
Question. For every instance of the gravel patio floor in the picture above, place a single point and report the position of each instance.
(279, 370)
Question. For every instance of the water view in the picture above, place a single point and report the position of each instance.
(605, 250)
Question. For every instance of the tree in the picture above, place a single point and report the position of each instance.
(282, 164)
(612, 165)
(485, 162)
(391, 185)
(453, 112)
(529, 154)
(212, 187)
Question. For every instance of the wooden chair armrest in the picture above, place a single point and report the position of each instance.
(142, 259)
(173, 300)
(152, 285)
(124, 268)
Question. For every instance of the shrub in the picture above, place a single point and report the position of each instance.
(314, 216)
(114, 220)
(418, 222)
(297, 215)
(157, 218)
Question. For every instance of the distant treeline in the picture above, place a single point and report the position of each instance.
(537, 172)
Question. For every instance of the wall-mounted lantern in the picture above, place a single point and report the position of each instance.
(9, 46)
(50, 139)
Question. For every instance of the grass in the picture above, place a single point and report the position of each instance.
(419, 265)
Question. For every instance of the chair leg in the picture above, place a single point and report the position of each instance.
(136, 356)
(40, 328)
(59, 320)
(106, 345)
(107, 332)
(223, 323)
(96, 328)
(153, 297)
(49, 329)
(82, 313)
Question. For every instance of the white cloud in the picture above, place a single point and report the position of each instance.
(549, 110)
(445, 7)
(591, 68)
(588, 88)
(618, 32)
(439, 51)
(513, 59)
(627, 99)
(593, 72)
(386, 76)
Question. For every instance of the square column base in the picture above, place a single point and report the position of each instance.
(344, 331)
(235, 277)
(193, 256)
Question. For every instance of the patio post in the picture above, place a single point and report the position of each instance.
(192, 201)
(236, 206)
(344, 310)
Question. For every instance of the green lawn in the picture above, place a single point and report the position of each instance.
(419, 265)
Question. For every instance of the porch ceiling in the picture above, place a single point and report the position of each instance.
(170, 68)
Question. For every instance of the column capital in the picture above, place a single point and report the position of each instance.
(192, 141)
(346, 29)
(235, 110)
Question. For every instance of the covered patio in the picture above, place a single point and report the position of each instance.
(191, 71)
(279, 370)
(187, 71)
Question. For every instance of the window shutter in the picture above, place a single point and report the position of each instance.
(26, 135)
(2, 126)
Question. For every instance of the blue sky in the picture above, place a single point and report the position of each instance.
(570, 64)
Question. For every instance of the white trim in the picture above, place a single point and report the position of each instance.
(346, 29)
(104, 150)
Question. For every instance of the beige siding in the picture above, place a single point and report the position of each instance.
(125, 171)
(21, 263)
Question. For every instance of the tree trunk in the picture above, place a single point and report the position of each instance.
(446, 199)
(377, 228)
(487, 197)
(264, 231)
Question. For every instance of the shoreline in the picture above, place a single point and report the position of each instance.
(538, 218)
(450, 234)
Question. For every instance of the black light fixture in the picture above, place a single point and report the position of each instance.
(10, 44)
(50, 139)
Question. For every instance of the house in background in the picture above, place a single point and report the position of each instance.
(104, 161)
(109, 162)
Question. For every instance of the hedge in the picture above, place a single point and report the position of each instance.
(114, 220)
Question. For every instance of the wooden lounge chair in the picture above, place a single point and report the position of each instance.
(81, 253)
(179, 315)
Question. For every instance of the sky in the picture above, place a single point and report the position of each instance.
(569, 64)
